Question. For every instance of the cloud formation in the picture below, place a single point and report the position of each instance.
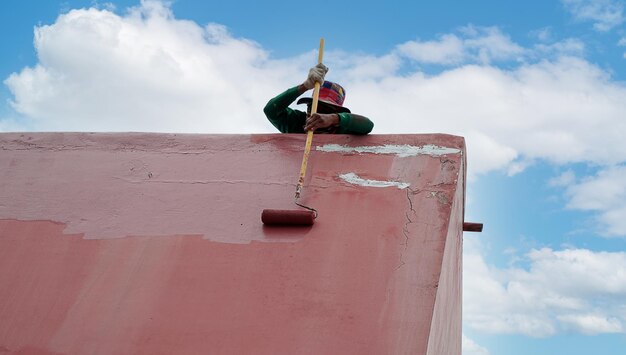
(485, 46)
(473, 45)
(605, 14)
(570, 290)
(604, 194)
(470, 347)
(145, 71)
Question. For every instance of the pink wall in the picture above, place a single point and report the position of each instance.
(152, 243)
(446, 331)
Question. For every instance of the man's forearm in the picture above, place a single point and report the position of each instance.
(354, 124)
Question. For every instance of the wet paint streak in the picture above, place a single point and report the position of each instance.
(401, 151)
(353, 178)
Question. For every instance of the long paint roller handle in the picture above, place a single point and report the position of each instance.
(309, 135)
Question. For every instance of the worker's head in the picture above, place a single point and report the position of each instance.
(330, 100)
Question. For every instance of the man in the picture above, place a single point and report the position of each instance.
(331, 116)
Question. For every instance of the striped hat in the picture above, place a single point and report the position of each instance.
(330, 93)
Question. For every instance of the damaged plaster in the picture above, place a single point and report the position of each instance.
(353, 178)
(401, 151)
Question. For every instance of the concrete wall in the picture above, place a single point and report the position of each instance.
(152, 243)
(446, 329)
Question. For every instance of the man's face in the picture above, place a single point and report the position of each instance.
(322, 108)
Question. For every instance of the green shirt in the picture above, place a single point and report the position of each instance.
(288, 120)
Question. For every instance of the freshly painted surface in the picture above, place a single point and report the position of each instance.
(152, 243)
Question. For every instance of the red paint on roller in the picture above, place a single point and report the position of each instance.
(288, 217)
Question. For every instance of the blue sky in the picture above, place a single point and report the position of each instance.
(538, 88)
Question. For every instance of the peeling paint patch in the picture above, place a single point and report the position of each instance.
(401, 151)
(353, 178)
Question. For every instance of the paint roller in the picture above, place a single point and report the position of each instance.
(307, 216)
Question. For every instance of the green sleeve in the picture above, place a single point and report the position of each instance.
(287, 120)
(281, 116)
(354, 124)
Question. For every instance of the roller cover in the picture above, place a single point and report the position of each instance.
(287, 217)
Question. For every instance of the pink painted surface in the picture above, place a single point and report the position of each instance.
(152, 243)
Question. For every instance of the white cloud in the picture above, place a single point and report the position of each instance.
(604, 193)
(543, 34)
(491, 44)
(565, 179)
(148, 71)
(471, 348)
(605, 14)
(449, 49)
(10, 124)
(592, 324)
(570, 290)
(357, 66)
(569, 47)
(484, 45)
(477, 44)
